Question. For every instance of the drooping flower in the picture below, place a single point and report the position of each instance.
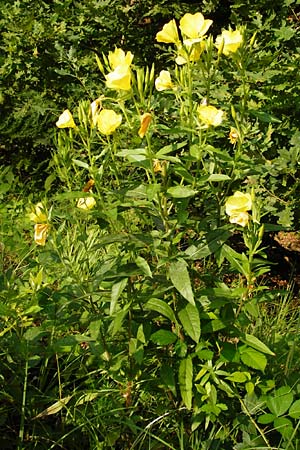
(163, 81)
(169, 33)
(66, 120)
(237, 207)
(119, 58)
(194, 26)
(38, 215)
(229, 41)
(96, 106)
(233, 135)
(209, 115)
(145, 123)
(86, 203)
(40, 233)
(120, 78)
(108, 121)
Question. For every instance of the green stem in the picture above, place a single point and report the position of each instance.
(22, 421)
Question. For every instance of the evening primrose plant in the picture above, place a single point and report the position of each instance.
(157, 237)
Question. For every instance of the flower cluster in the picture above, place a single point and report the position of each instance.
(237, 207)
(41, 227)
(120, 76)
(193, 29)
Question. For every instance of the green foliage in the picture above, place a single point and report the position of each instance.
(139, 316)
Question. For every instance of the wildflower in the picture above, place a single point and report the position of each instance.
(237, 207)
(108, 121)
(40, 233)
(194, 26)
(38, 214)
(145, 123)
(169, 33)
(241, 218)
(229, 41)
(119, 58)
(86, 203)
(233, 135)
(66, 120)
(209, 115)
(163, 81)
(189, 52)
(95, 107)
(157, 166)
(120, 78)
(238, 202)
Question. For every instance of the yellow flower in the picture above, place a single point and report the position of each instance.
(66, 120)
(229, 41)
(40, 233)
(119, 58)
(238, 203)
(145, 123)
(120, 78)
(86, 203)
(233, 135)
(209, 115)
(163, 81)
(194, 26)
(241, 218)
(108, 121)
(169, 33)
(38, 214)
(191, 51)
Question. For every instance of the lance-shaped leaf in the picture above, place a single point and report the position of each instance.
(186, 381)
(180, 278)
(189, 317)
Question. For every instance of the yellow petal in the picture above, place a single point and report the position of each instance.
(40, 233)
(194, 25)
(66, 120)
(229, 41)
(119, 57)
(238, 203)
(38, 214)
(120, 78)
(163, 81)
(169, 33)
(209, 115)
(241, 219)
(108, 121)
(86, 203)
(145, 123)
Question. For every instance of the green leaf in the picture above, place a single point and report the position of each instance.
(185, 378)
(142, 264)
(253, 359)
(163, 337)
(239, 377)
(218, 177)
(155, 304)
(55, 408)
(254, 342)
(168, 379)
(264, 419)
(294, 411)
(284, 426)
(211, 243)
(280, 401)
(180, 278)
(181, 192)
(189, 317)
(82, 164)
(116, 291)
